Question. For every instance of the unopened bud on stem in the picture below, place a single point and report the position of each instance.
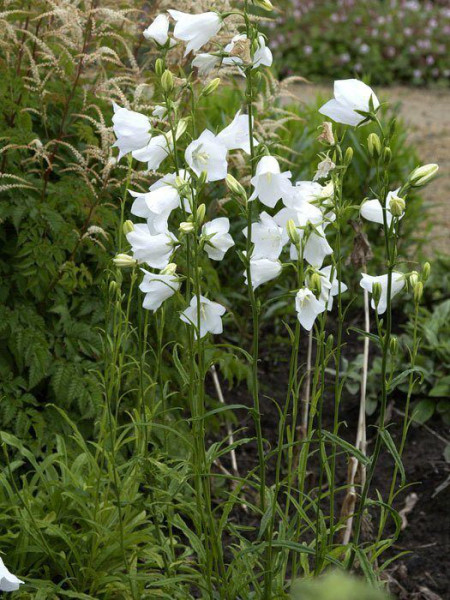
(186, 227)
(124, 260)
(426, 271)
(348, 156)
(376, 293)
(422, 175)
(167, 81)
(170, 269)
(235, 187)
(413, 279)
(211, 87)
(397, 206)
(264, 4)
(127, 227)
(201, 211)
(293, 233)
(374, 145)
(418, 292)
(315, 284)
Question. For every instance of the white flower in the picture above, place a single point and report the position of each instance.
(237, 135)
(349, 95)
(210, 316)
(220, 240)
(267, 238)
(132, 130)
(8, 581)
(324, 168)
(159, 112)
(156, 206)
(155, 152)
(205, 63)
(155, 250)
(158, 30)
(269, 183)
(317, 247)
(208, 154)
(330, 286)
(398, 282)
(158, 288)
(263, 270)
(373, 211)
(302, 215)
(196, 30)
(308, 307)
(263, 54)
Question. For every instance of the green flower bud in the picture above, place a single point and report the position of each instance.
(397, 206)
(387, 156)
(393, 345)
(235, 187)
(167, 81)
(186, 227)
(374, 145)
(423, 175)
(170, 269)
(426, 269)
(330, 344)
(127, 227)
(181, 128)
(413, 279)
(114, 287)
(124, 260)
(376, 292)
(211, 87)
(293, 233)
(264, 4)
(201, 211)
(159, 67)
(348, 156)
(315, 284)
(202, 179)
(418, 292)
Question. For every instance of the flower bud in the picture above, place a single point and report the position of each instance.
(315, 283)
(264, 4)
(348, 156)
(397, 206)
(202, 178)
(170, 269)
(393, 345)
(124, 260)
(127, 227)
(167, 81)
(423, 175)
(201, 211)
(293, 233)
(418, 292)
(159, 67)
(181, 128)
(413, 279)
(329, 344)
(374, 145)
(426, 269)
(387, 156)
(235, 187)
(186, 227)
(114, 287)
(211, 87)
(376, 292)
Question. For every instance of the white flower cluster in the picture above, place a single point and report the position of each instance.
(8, 581)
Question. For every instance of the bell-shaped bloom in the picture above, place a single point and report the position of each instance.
(156, 206)
(263, 270)
(8, 581)
(158, 288)
(132, 130)
(373, 211)
(236, 136)
(158, 30)
(349, 95)
(157, 150)
(210, 316)
(196, 30)
(263, 54)
(206, 63)
(269, 183)
(398, 283)
(303, 214)
(267, 238)
(218, 238)
(207, 154)
(308, 307)
(317, 248)
(155, 250)
(330, 286)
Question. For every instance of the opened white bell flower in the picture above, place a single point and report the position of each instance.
(236, 136)
(206, 63)
(157, 150)
(373, 211)
(208, 154)
(132, 130)
(263, 270)
(210, 316)
(398, 283)
(263, 55)
(316, 248)
(196, 30)
(324, 168)
(308, 307)
(156, 206)
(155, 250)
(349, 95)
(270, 184)
(330, 286)
(158, 30)
(267, 238)
(219, 241)
(8, 581)
(158, 288)
(159, 112)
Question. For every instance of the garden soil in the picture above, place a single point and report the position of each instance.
(427, 112)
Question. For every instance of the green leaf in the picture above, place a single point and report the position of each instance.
(390, 445)
(423, 411)
(347, 446)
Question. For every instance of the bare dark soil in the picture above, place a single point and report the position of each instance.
(422, 574)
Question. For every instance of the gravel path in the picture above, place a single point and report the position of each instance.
(427, 112)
